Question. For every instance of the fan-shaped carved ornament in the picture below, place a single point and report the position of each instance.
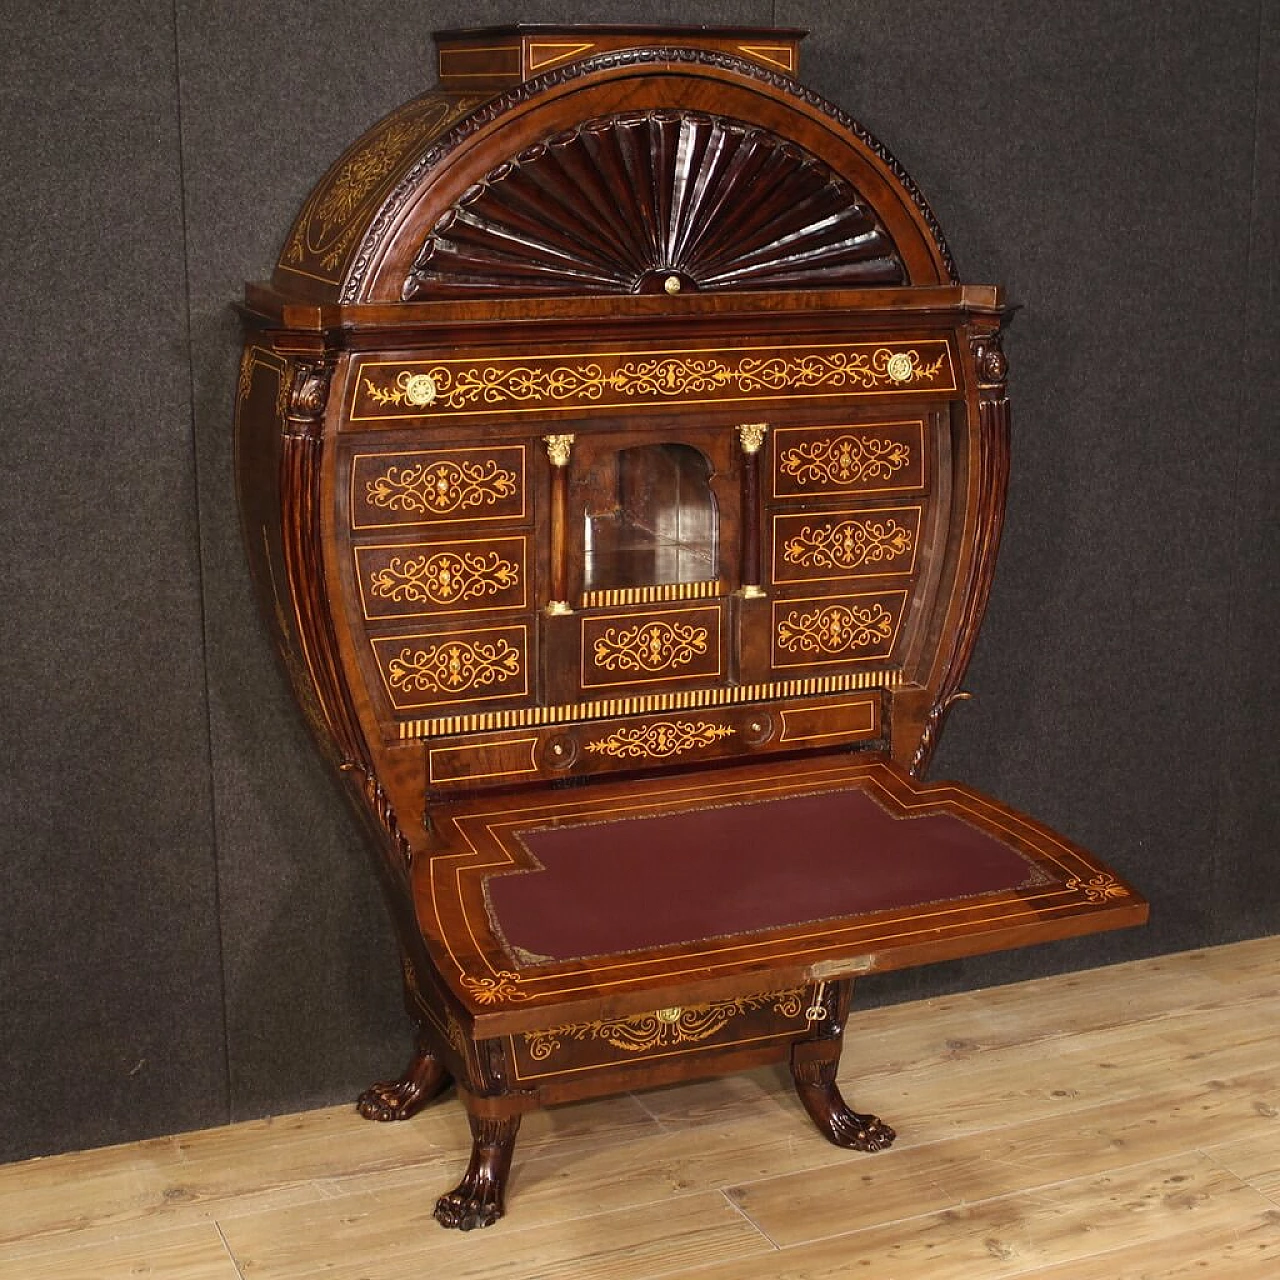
(638, 202)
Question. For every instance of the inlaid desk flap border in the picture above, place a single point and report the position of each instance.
(480, 839)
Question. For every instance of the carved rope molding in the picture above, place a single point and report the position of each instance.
(393, 205)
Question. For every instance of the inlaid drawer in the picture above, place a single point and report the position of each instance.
(644, 1037)
(438, 486)
(840, 461)
(828, 546)
(832, 630)
(683, 736)
(417, 579)
(755, 370)
(651, 646)
(446, 668)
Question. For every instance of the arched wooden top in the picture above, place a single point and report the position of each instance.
(611, 175)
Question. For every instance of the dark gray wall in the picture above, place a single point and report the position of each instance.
(188, 933)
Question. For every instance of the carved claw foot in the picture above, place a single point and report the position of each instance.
(424, 1078)
(477, 1201)
(816, 1087)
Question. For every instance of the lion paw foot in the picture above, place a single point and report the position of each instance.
(392, 1100)
(469, 1206)
(859, 1132)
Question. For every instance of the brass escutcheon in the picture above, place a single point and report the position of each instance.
(670, 1015)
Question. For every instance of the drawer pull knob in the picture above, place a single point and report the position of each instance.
(419, 388)
(672, 284)
(901, 367)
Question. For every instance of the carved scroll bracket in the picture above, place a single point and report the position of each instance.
(308, 398)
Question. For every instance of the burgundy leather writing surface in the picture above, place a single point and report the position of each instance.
(675, 878)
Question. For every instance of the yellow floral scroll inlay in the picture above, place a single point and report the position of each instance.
(650, 647)
(453, 666)
(847, 544)
(444, 578)
(845, 460)
(441, 487)
(662, 377)
(1100, 888)
(660, 741)
(664, 1028)
(835, 628)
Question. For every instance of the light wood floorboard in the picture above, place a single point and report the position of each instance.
(1119, 1123)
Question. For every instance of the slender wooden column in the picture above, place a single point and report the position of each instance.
(558, 450)
(751, 434)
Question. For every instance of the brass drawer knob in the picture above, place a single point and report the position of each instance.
(901, 367)
(419, 388)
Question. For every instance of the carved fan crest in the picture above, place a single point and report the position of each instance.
(619, 204)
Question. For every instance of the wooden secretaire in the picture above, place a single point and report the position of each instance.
(622, 465)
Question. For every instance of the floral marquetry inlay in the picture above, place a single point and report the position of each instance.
(440, 487)
(447, 577)
(848, 544)
(660, 741)
(503, 986)
(650, 647)
(454, 666)
(624, 378)
(1100, 888)
(835, 629)
(845, 460)
(664, 1028)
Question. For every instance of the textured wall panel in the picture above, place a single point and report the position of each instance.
(110, 989)
(1099, 165)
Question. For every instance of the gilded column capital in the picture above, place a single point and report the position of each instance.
(558, 449)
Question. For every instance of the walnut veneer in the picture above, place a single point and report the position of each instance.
(622, 465)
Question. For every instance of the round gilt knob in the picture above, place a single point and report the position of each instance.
(901, 367)
(419, 388)
(672, 284)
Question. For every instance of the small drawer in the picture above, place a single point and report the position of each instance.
(840, 461)
(830, 546)
(438, 486)
(836, 630)
(418, 579)
(682, 737)
(651, 646)
(828, 721)
(448, 668)
(644, 1037)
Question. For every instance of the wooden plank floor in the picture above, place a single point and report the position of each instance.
(1119, 1123)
